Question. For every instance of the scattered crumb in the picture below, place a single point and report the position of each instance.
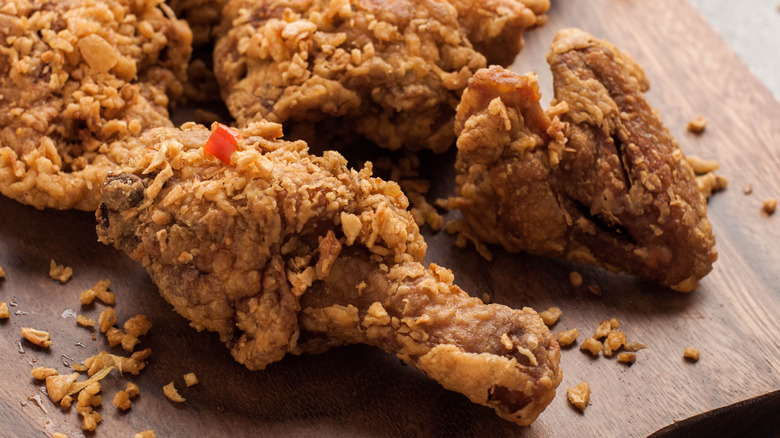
(58, 385)
(627, 358)
(770, 205)
(691, 354)
(60, 272)
(634, 346)
(579, 395)
(700, 165)
(37, 337)
(697, 125)
(132, 389)
(575, 278)
(602, 330)
(91, 418)
(190, 379)
(614, 323)
(122, 400)
(134, 327)
(568, 337)
(464, 235)
(85, 321)
(4, 314)
(107, 319)
(592, 346)
(710, 183)
(173, 395)
(614, 341)
(2, 273)
(42, 373)
(59, 435)
(486, 298)
(594, 290)
(99, 291)
(145, 434)
(747, 188)
(423, 212)
(550, 316)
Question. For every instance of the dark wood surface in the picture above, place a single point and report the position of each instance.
(360, 391)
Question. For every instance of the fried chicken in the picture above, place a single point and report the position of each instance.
(285, 252)
(392, 71)
(79, 81)
(604, 184)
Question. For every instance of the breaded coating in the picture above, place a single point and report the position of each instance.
(391, 71)
(79, 81)
(284, 252)
(604, 184)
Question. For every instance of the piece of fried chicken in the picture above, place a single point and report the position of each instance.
(80, 80)
(606, 184)
(392, 71)
(284, 252)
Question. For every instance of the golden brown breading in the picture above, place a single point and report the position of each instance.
(591, 187)
(392, 71)
(79, 80)
(281, 251)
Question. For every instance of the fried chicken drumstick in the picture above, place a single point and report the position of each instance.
(284, 252)
(606, 184)
(80, 80)
(392, 71)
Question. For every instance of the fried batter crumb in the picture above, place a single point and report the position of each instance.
(634, 346)
(697, 124)
(575, 278)
(61, 273)
(107, 319)
(550, 316)
(122, 400)
(85, 321)
(579, 395)
(145, 434)
(41, 373)
(594, 290)
(99, 291)
(592, 346)
(700, 165)
(627, 358)
(134, 327)
(37, 337)
(173, 395)
(691, 354)
(710, 183)
(567, 337)
(59, 435)
(2, 273)
(4, 314)
(614, 341)
(747, 188)
(132, 389)
(770, 205)
(190, 379)
(602, 330)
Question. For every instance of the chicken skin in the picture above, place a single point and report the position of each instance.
(284, 252)
(80, 80)
(603, 183)
(392, 71)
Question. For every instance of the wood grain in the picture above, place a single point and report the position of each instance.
(360, 391)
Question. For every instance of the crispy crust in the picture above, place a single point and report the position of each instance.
(79, 80)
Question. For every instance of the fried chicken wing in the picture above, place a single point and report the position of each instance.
(604, 184)
(392, 70)
(79, 81)
(284, 252)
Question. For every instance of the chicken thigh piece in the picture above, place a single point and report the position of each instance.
(283, 252)
(604, 184)
(392, 71)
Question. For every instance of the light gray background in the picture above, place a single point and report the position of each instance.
(752, 28)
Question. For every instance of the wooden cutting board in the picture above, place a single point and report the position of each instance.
(360, 391)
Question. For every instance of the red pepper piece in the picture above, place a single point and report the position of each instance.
(222, 142)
